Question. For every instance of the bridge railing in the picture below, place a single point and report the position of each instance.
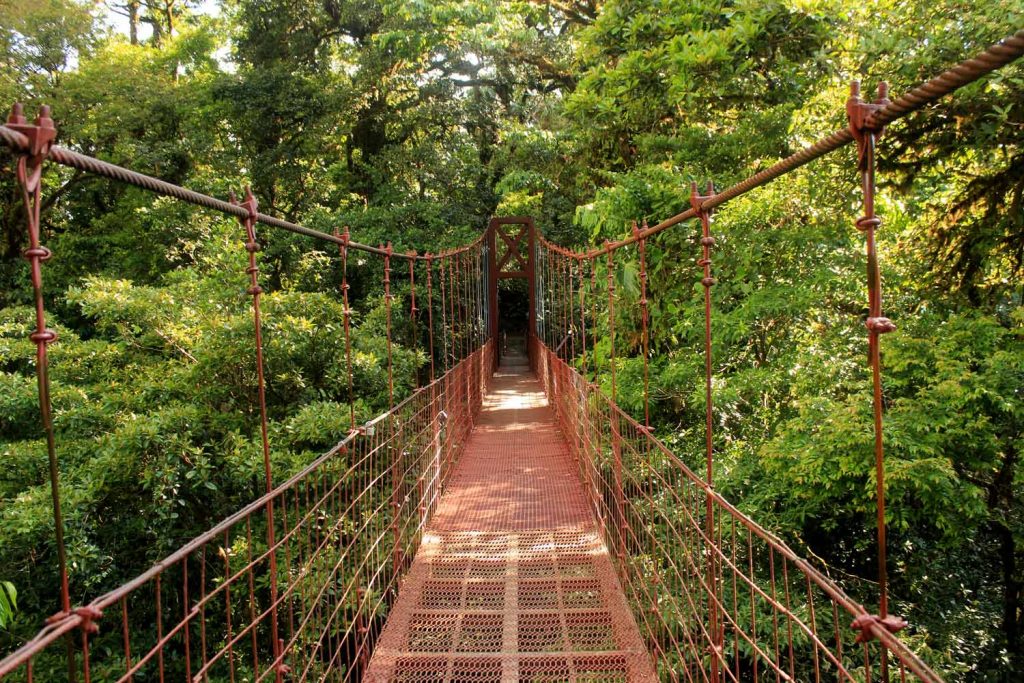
(347, 527)
(302, 578)
(715, 595)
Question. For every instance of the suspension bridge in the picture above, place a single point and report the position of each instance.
(506, 521)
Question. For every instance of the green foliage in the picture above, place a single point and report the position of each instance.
(8, 602)
(673, 92)
(414, 122)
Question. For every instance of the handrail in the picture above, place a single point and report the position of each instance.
(614, 429)
(55, 629)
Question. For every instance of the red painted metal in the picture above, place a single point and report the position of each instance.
(610, 272)
(453, 340)
(512, 581)
(583, 317)
(387, 313)
(252, 247)
(347, 324)
(593, 307)
(497, 229)
(333, 528)
(430, 310)
(29, 174)
(446, 337)
(992, 58)
(707, 241)
(634, 483)
(644, 314)
(413, 311)
(866, 134)
(779, 617)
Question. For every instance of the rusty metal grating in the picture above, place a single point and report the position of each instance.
(607, 669)
(512, 582)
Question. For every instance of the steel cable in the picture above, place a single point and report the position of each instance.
(18, 142)
(968, 71)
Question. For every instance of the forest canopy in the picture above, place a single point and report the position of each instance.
(414, 122)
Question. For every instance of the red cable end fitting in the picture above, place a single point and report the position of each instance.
(880, 325)
(859, 113)
(864, 622)
(697, 199)
(40, 134)
(17, 115)
(249, 203)
(89, 617)
(88, 614)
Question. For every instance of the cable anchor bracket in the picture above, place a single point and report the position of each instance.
(860, 114)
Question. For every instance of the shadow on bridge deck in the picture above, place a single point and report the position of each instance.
(512, 582)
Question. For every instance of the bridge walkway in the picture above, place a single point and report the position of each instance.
(512, 581)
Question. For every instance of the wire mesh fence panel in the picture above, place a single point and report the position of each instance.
(714, 595)
(346, 528)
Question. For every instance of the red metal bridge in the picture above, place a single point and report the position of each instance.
(507, 520)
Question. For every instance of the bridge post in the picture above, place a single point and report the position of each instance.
(394, 437)
(252, 246)
(866, 134)
(492, 284)
(531, 281)
(467, 335)
(29, 174)
(435, 483)
(430, 311)
(596, 433)
(716, 625)
(446, 407)
(347, 323)
(413, 310)
(361, 629)
(616, 430)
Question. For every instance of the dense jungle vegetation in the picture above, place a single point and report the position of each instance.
(416, 120)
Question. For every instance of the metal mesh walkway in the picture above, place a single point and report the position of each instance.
(512, 582)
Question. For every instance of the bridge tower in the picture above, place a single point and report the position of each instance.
(511, 251)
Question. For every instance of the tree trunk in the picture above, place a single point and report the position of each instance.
(133, 21)
(169, 16)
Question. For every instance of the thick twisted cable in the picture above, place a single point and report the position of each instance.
(66, 157)
(968, 71)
